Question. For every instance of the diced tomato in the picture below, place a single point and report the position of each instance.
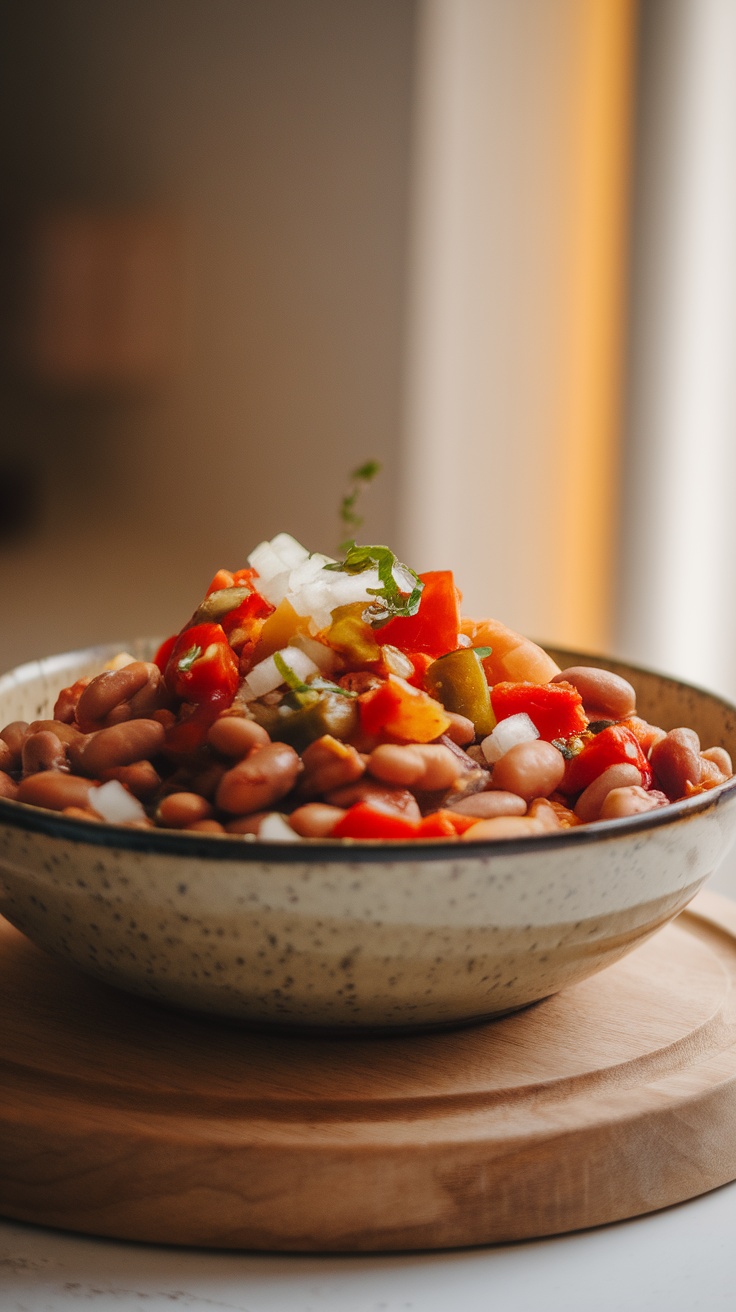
(555, 709)
(616, 745)
(243, 624)
(366, 821)
(421, 662)
(445, 824)
(435, 626)
(187, 735)
(202, 665)
(223, 579)
(402, 710)
(162, 655)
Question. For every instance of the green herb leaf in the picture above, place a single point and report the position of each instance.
(392, 601)
(185, 663)
(318, 684)
(349, 520)
(482, 652)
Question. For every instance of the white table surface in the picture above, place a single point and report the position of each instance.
(679, 1260)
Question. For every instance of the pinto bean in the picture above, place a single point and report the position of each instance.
(140, 778)
(676, 762)
(532, 769)
(428, 766)
(234, 736)
(121, 744)
(82, 813)
(180, 810)
(55, 790)
(631, 800)
(399, 800)
(66, 733)
(208, 826)
(109, 697)
(266, 775)
(503, 826)
(545, 814)
(12, 735)
(460, 729)
(719, 757)
(329, 763)
(65, 707)
(590, 801)
(315, 819)
(8, 787)
(488, 805)
(8, 759)
(43, 751)
(247, 824)
(605, 694)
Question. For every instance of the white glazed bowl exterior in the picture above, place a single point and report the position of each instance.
(353, 935)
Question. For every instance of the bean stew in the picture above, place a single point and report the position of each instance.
(313, 699)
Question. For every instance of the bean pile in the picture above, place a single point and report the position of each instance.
(426, 726)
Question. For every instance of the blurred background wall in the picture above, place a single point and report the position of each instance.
(203, 209)
(248, 244)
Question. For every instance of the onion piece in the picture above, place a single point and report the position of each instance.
(265, 677)
(115, 804)
(291, 552)
(508, 733)
(276, 828)
(326, 658)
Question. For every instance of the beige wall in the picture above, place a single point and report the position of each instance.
(277, 135)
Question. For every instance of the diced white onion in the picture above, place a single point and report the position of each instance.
(115, 804)
(507, 734)
(463, 640)
(274, 828)
(266, 561)
(291, 552)
(324, 657)
(266, 677)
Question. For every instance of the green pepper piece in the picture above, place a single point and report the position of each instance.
(218, 604)
(351, 636)
(458, 681)
(328, 713)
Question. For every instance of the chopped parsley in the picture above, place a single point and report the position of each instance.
(185, 663)
(391, 602)
(349, 520)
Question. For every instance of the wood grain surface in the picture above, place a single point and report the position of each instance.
(614, 1098)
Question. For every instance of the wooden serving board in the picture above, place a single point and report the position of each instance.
(615, 1098)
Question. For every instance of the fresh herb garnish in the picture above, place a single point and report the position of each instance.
(482, 652)
(185, 663)
(393, 601)
(349, 520)
(318, 684)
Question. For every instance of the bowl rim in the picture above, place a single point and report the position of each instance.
(248, 849)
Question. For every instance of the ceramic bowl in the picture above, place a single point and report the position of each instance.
(352, 935)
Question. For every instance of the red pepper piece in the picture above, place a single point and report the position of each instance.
(616, 745)
(202, 665)
(242, 622)
(404, 711)
(188, 734)
(162, 655)
(445, 824)
(366, 821)
(435, 626)
(555, 709)
(421, 662)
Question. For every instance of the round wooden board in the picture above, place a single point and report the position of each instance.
(615, 1098)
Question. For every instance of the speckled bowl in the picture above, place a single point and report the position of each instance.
(349, 935)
